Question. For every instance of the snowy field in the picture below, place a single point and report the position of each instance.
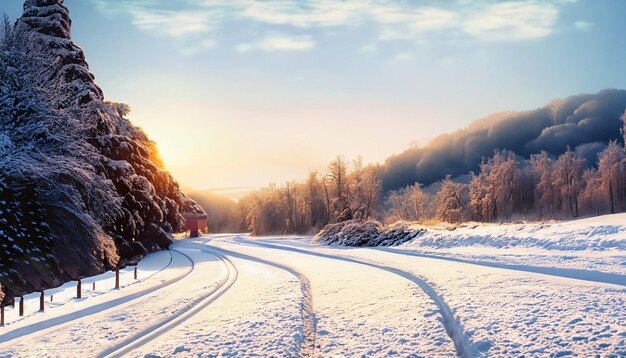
(488, 290)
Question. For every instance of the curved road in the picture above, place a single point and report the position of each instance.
(284, 297)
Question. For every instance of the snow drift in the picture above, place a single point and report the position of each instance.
(596, 233)
(82, 190)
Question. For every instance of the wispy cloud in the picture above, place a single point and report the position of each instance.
(172, 23)
(404, 57)
(513, 20)
(279, 43)
(203, 45)
(583, 26)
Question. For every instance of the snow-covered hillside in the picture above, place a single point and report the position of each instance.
(82, 190)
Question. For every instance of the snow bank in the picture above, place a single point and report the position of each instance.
(595, 233)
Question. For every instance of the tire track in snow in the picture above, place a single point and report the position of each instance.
(40, 328)
(307, 347)
(145, 336)
(453, 327)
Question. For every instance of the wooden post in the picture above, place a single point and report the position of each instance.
(42, 302)
(21, 306)
(2, 314)
(135, 272)
(79, 289)
(51, 298)
(93, 288)
(117, 279)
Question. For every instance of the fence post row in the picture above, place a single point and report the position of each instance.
(42, 298)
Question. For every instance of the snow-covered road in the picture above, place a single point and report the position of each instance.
(230, 295)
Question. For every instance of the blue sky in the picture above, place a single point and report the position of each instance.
(240, 93)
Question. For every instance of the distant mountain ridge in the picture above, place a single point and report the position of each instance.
(585, 123)
(82, 190)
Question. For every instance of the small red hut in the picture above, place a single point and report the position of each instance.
(196, 223)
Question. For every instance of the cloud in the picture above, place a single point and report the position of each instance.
(513, 20)
(171, 23)
(203, 45)
(398, 22)
(279, 43)
(584, 122)
(320, 13)
(404, 57)
(369, 48)
(583, 26)
(286, 43)
(193, 20)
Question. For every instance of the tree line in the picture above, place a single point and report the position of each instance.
(506, 187)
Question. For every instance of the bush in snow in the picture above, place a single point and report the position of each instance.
(365, 233)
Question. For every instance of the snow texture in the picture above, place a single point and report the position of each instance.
(232, 295)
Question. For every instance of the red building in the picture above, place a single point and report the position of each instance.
(196, 223)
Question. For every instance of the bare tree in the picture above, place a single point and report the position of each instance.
(611, 170)
(451, 201)
(568, 172)
(542, 167)
(408, 203)
(338, 172)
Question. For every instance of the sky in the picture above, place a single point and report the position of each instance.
(241, 93)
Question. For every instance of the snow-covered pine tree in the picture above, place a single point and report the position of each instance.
(94, 179)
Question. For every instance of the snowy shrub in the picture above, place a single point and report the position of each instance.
(365, 233)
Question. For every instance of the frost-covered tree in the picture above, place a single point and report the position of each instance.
(316, 211)
(365, 187)
(497, 191)
(612, 175)
(546, 198)
(592, 197)
(451, 201)
(340, 190)
(96, 179)
(568, 178)
(408, 204)
(623, 118)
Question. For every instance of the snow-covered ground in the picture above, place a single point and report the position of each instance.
(232, 295)
(591, 244)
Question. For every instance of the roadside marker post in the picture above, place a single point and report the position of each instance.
(42, 302)
(135, 272)
(79, 289)
(21, 306)
(1, 314)
(117, 279)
